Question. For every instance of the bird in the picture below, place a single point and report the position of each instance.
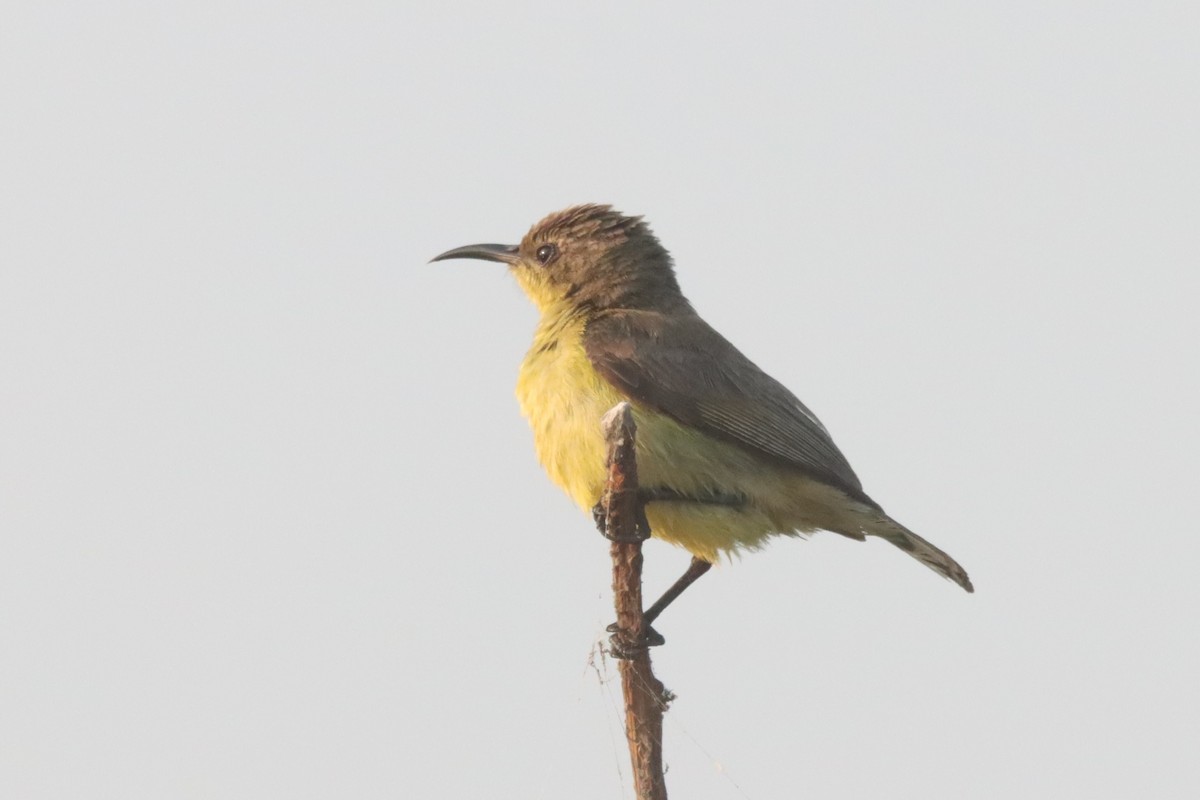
(727, 457)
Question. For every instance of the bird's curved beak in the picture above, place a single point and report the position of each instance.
(504, 253)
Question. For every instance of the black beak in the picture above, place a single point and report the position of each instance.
(504, 253)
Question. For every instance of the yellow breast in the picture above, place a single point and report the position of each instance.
(564, 398)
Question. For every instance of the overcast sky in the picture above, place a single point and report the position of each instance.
(270, 521)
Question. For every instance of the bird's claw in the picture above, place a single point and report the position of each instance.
(640, 534)
(622, 646)
(600, 518)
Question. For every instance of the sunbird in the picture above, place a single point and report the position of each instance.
(727, 456)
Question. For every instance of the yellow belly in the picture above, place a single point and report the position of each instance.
(564, 399)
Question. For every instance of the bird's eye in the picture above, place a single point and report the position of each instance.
(546, 253)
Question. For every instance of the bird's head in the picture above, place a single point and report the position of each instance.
(586, 256)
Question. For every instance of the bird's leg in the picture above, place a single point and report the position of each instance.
(697, 568)
(651, 637)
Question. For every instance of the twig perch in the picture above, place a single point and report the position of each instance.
(625, 525)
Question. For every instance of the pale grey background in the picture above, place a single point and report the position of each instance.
(271, 522)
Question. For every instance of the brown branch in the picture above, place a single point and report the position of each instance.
(625, 525)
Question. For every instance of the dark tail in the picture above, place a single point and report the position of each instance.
(937, 560)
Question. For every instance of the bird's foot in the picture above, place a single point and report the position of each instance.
(640, 534)
(624, 647)
(600, 518)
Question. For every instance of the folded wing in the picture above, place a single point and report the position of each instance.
(678, 365)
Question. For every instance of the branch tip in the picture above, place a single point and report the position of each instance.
(618, 421)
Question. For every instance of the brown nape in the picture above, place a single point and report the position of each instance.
(637, 274)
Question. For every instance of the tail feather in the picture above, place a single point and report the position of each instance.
(937, 560)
